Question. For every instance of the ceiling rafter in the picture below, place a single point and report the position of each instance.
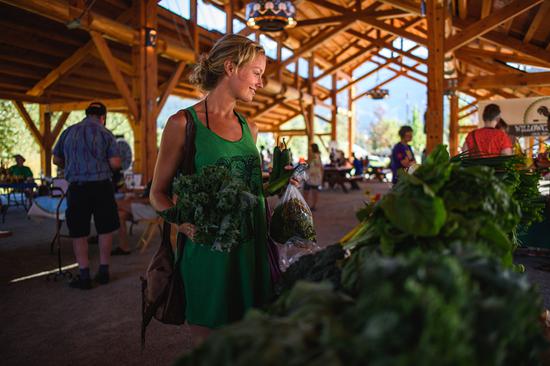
(485, 25)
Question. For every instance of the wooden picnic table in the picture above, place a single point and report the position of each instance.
(338, 176)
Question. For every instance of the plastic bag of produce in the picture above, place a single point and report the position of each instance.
(292, 227)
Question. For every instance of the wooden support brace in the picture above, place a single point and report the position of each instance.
(114, 71)
(174, 79)
(30, 123)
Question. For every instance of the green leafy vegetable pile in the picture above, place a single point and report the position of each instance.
(422, 309)
(428, 280)
(215, 202)
(521, 181)
(440, 204)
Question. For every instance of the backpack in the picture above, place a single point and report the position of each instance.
(162, 289)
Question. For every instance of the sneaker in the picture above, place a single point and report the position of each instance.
(120, 251)
(83, 284)
(102, 278)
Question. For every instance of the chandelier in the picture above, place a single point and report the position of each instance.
(378, 93)
(270, 16)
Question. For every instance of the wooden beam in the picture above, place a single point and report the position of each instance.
(63, 69)
(467, 114)
(364, 76)
(453, 125)
(331, 6)
(80, 106)
(405, 5)
(356, 15)
(509, 80)
(312, 45)
(46, 151)
(435, 14)
(487, 24)
(383, 44)
(29, 122)
(503, 40)
(467, 53)
(114, 71)
(468, 106)
(351, 120)
(148, 81)
(310, 119)
(340, 65)
(268, 108)
(174, 79)
(229, 17)
(464, 129)
(486, 7)
(59, 125)
(62, 12)
(542, 14)
(463, 9)
(21, 97)
(401, 32)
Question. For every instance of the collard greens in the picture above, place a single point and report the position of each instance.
(218, 204)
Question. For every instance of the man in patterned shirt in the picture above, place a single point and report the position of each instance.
(88, 153)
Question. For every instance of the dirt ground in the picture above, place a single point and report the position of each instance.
(47, 323)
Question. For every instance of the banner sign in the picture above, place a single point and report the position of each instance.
(528, 130)
(524, 116)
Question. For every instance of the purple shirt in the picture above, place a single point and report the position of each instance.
(86, 148)
(400, 151)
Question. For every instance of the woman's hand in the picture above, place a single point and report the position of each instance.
(295, 182)
(188, 230)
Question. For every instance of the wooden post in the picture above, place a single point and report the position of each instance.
(334, 115)
(229, 17)
(46, 151)
(193, 17)
(310, 120)
(453, 127)
(436, 52)
(351, 119)
(145, 129)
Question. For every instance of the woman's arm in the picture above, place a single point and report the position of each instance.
(169, 159)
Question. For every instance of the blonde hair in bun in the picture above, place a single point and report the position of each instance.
(210, 69)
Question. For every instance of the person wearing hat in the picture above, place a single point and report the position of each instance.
(89, 154)
(19, 169)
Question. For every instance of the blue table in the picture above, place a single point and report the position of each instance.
(15, 194)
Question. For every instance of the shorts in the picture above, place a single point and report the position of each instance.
(85, 199)
(308, 187)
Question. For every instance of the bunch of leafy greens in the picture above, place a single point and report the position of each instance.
(217, 203)
(419, 309)
(522, 182)
(292, 222)
(441, 204)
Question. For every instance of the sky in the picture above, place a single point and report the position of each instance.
(404, 94)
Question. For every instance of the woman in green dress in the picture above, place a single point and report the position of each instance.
(220, 286)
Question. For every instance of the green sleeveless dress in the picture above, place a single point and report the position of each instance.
(221, 286)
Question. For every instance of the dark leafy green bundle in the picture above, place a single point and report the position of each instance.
(440, 204)
(215, 202)
(323, 265)
(521, 181)
(422, 309)
(292, 221)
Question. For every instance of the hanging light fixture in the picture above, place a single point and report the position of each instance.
(378, 93)
(270, 16)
